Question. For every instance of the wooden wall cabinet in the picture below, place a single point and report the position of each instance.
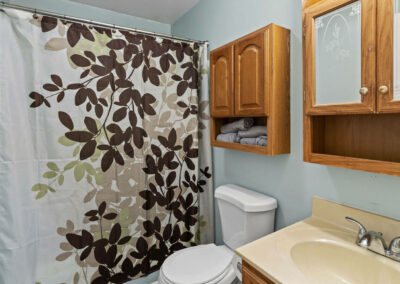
(250, 77)
(362, 131)
(250, 275)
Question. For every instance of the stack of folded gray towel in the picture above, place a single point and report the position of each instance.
(242, 131)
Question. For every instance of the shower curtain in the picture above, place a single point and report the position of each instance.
(105, 160)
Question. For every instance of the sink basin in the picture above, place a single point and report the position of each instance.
(318, 262)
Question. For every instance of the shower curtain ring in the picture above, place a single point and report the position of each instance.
(91, 25)
(35, 16)
(113, 30)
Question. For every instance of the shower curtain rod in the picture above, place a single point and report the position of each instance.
(95, 23)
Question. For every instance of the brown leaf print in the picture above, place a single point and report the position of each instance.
(48, 23)
(80, 61)
(66, 120)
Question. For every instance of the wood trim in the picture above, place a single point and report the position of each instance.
(306, 119)
(387, 168)
(308, 3)
(241, 147)
(245, 36)
(307, 138)
(279, 93)
(368, 58)
(368, 52)
(251, 275)
(385, 64)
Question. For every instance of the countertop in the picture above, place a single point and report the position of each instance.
(272, 255)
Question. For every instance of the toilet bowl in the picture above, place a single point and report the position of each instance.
(245, 217)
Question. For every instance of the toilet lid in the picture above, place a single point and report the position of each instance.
(200, 264)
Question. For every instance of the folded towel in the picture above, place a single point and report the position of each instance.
(253, 132)
(262, 141)
(259, 141)
(229, 137)
(235, 126)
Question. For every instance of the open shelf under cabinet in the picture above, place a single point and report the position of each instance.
(368, 142)
(269, 150)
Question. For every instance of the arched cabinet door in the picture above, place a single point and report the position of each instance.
(251, 77)
(222, 91)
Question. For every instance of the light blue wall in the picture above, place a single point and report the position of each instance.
(79, 10)
(286, 177)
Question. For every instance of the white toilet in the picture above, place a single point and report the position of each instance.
(245, 217)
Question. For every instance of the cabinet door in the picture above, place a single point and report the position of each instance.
(250, 276)
(340, 57)
(222, 92)
(388, 56)
(250, 75)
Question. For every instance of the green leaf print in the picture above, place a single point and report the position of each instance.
(52, 166)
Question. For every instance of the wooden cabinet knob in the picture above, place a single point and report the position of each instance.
(364, 91)
(383, 89)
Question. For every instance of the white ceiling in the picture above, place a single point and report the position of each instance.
(164, 11)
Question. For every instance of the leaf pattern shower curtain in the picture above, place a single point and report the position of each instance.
(105, 161)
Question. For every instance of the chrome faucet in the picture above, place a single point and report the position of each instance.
(374, 241)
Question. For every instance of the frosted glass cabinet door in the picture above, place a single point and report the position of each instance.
(388, 56)
(338, 56)
(340, 62)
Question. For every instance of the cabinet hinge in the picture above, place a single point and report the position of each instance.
(304, 31)
(304, 96)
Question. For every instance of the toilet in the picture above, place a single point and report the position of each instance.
(245, 216)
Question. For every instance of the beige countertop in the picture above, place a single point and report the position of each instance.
(275, 257)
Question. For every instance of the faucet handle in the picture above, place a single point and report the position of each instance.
(394, 246)
(362, 231)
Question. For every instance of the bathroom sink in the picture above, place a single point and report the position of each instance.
(322, 249)
(324, 261)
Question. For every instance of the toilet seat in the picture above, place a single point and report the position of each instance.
(225, 278)
(204, 264)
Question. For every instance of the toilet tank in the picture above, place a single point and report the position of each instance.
(245, 215)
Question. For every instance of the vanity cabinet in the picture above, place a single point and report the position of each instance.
(250, 275)
(351, 67)
(250, 77)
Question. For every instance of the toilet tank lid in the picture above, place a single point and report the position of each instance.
(247, 200)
